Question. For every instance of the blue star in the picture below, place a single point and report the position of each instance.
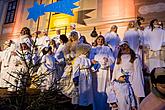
(36, 11)
(73, 1)
(62, 6)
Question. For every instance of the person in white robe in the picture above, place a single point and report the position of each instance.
(130, 62)
(42, 41)
(82, 76)
(20, 65)
(69, 51)
(132, 36)
(103, 56)
(12, 57)
(47, 69)
(17, 65)
(73, 29)
(120, 93)
(5, 59)
(53, 45)
(25, 37)
(112, 39)
(12, 66)
(57, 37)
(59, 54)
(154, 40)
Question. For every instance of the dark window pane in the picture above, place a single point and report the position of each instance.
(11, 11)
(7, 18)
(10, 5)
(12, 16)
(11, 20)
(8, 14)
(14, 5)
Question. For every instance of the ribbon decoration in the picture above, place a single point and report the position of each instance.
(62, 6)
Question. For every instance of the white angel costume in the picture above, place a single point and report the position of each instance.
(155, 40)
(104, 56)
(81, 69)
(133, 38)
(47, 69)
(121, 93)
(5, 59)
(135, 74)
(112, 39)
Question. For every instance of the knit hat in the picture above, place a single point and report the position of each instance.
(158, 75)
(82, 49)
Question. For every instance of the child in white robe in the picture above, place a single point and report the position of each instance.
(82, 76)
(47, 69)
(120, 94)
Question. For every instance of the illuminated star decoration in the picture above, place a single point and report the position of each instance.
(62, 6)
(36, 11)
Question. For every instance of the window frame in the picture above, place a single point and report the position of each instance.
(11, 10)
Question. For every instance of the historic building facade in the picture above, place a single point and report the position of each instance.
(91, 13)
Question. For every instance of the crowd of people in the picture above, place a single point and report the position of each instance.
(107, 74)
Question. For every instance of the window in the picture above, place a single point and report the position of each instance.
(11, 11)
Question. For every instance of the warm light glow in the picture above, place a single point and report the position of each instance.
(117, 9)
(61, 21)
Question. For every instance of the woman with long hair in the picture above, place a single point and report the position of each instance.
(102, 58)
(130, 63)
